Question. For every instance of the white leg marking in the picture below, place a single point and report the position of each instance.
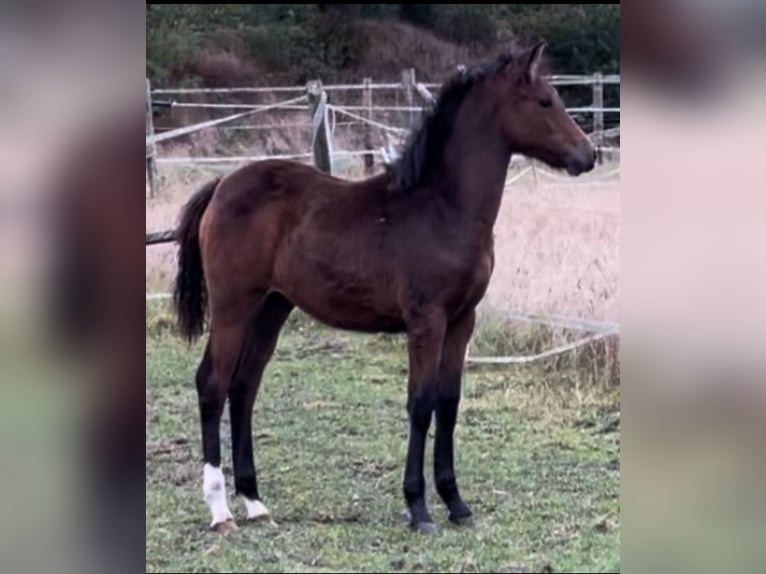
(214, 489)
(255, 508)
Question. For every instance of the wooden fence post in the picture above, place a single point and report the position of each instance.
(151, 148)
(369, 158)
(321, 141)
(408, 85)
(598, 102)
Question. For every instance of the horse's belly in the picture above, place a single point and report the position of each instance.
(341, 296)
(361, 322)
(347, 312)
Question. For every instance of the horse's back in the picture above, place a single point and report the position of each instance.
(269, 223)
(297, 186)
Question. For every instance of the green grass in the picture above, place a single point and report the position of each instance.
(330, 431)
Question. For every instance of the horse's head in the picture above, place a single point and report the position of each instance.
(533, 118)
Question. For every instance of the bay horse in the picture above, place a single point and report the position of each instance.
(409, 250)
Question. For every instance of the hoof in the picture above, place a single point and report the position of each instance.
(460, 514)
(256, 511)
(226, 527)
(464, 521)
(424, 528)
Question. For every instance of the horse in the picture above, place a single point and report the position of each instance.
(407, 251)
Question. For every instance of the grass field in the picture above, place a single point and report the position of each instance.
(537, 458)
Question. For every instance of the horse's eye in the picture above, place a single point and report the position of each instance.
(546, 102)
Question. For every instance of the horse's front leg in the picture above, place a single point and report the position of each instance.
(425, 341)
(447, 401)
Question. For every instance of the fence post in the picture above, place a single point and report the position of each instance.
(428, 97)
(369, 158)
(321, 142)
(598, 102)
(408, 85)
(151, 148)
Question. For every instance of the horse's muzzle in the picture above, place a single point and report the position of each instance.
(581, 161)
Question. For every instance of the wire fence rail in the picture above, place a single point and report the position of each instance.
(156, 138)
(523, 359)
(417, 97)
(557, 80)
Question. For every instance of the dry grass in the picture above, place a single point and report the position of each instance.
(224, 67)
(557, 248)
(556, 254)
(162, 212)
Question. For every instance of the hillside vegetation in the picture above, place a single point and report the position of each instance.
(231, 44)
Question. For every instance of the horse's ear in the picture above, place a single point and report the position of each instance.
(531, 61)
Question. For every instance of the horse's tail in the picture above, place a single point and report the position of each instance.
(190, 295)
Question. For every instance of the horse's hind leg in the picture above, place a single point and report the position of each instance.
(447, 402)
(213, 379)
(258, 348)
(425, 340)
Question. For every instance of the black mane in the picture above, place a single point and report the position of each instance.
(423, 150)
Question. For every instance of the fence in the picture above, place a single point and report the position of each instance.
(312, 101)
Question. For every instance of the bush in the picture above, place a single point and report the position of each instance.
(169, 53)
(267, 44)
(327, 42)
(466, 24)
(337, 38)
(418, 14)
(288, 49)
(581, 38)
(299, 42)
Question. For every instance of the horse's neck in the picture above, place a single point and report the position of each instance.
(476, 158)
